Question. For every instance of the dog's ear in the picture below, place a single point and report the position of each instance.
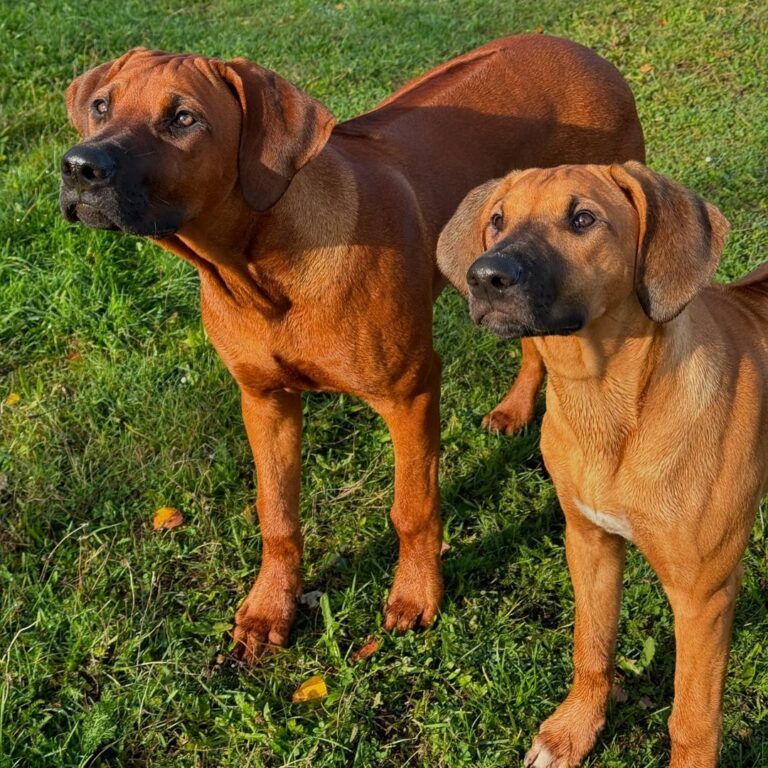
(680, 240)
(283, 129)
(82, 88)
(461, 240)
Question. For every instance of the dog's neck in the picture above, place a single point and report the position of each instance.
(251, 257)
(600, 379)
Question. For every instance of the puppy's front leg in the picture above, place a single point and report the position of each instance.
(414, 424)
(273, 424)
(703, 620)
(596, 564)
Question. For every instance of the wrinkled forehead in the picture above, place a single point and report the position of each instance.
(543, 191)
(151, 77)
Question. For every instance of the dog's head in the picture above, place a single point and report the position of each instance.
(547, 252)
(168, 136)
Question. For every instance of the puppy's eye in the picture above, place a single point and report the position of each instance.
(100, 107)
(184, 119)
(497, 221)
(583, 220)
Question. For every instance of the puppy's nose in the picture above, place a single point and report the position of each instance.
(495, 274)
(87, 167)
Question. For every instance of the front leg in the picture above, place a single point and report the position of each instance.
(519, 404)
(414, 424)
(596, 564)
(703, 620)
(273, 424)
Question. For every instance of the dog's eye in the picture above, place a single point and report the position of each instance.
(100, 107)
(184, 119)
(583, 220)
(497, 221)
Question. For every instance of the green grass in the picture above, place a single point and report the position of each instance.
(109, 632)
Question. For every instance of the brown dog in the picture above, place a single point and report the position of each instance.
(657, 410)
(315, 247)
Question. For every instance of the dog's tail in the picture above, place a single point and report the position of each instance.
(754, 288)
(756, 281)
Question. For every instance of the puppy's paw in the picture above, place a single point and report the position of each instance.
(540, 756)
(566, 738)
(263, 622)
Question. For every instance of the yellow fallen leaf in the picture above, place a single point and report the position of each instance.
(13, 398)
(646, 68)
(167, 518)
(313, 689)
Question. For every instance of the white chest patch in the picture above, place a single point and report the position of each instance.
(619, 526)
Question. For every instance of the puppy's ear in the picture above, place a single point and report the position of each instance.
(81, 89)
(283, 129)
(461, 240)
(680, 240)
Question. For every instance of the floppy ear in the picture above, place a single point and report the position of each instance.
(283, 129)
(679, 243)
(461, 240)
(81, 89)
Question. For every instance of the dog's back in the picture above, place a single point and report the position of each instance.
(522, 101)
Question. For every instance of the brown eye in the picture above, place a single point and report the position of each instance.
(100, 107)
(497, 221)
(184, 120)
(583, 220)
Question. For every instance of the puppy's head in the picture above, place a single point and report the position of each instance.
(547, 252)
(169, 136)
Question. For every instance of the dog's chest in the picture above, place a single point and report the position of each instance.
(262, 356)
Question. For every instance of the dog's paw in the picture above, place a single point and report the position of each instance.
(413, 601)
(263, 622)
(507, 419)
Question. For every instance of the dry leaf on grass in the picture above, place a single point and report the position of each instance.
(646, 68)
(13, 398)
(313, 689)
(167, 518)
(371, 646)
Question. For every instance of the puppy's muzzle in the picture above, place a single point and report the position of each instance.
(495, 276)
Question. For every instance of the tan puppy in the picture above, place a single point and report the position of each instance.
(315, 245)
(657, 410)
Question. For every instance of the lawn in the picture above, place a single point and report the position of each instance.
(111, 635)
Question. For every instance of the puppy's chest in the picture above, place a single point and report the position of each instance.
(616, 522)
(594, 486)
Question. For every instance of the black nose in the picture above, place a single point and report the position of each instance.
(87, 167)
(495, 273)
